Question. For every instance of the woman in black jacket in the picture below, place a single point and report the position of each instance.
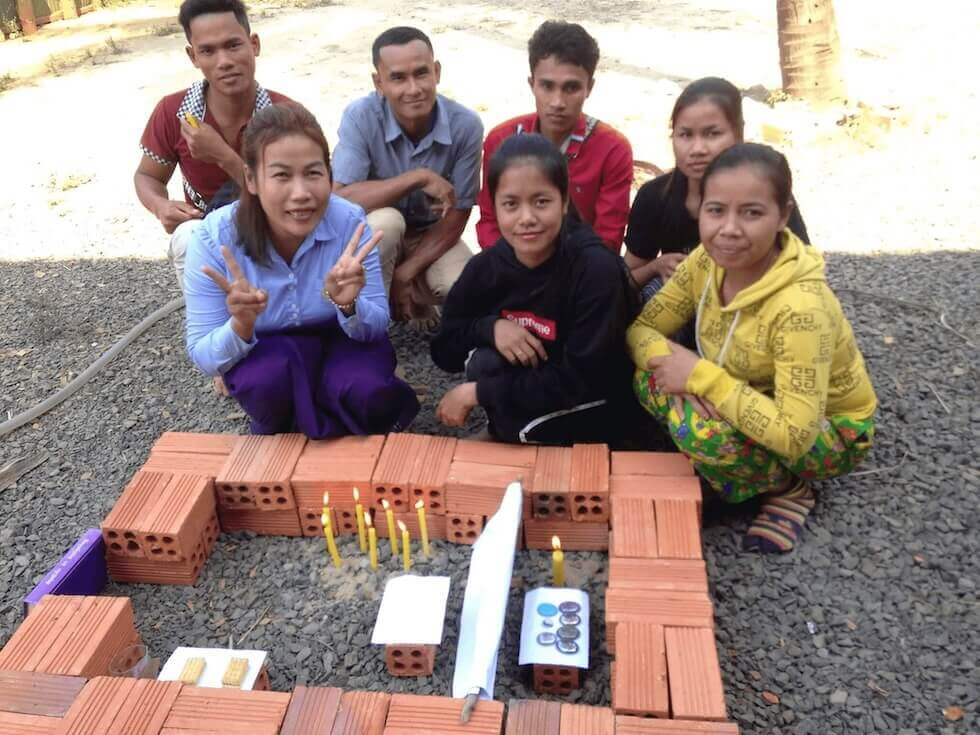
(538, 321)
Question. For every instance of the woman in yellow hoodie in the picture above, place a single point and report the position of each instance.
(779, 394)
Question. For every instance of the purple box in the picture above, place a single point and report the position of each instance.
(81, 571)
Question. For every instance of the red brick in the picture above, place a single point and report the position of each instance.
(429, 482)
(678, 529)
(533, 717)
(666, 608)
(551, 484)
(557, 680)
(640, 687)
(496, 453)
(223, 711)
(574, 536)
(634, 528)
(361, 713)
(463, 529)
(184, 442)
(312, 711)
(479, 488)
(411, 714)
(661, 464)
(120, 706)
(410, 660)
(435, 523)
(626, 725)
(120, 529)
(696, 689)
(176, 463)
(396, 470)
(589, 483)
(336, 466)
(264, 522)
(258, 472)
(311, 523)
(679, 575)
(133, 570)
(579, 719)
(12, 723)
(656, 488)
(33, 693)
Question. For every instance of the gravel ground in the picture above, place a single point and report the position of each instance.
(871, 626)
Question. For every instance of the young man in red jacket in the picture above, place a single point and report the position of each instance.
(563, 59)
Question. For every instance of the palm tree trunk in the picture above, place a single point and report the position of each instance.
(809, 50)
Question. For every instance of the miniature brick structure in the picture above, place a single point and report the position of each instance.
(463, 529)
(71, 635)
(589, 483)
(640, 671)
(311, 710)
(533, 717)
(696, 689)
(120, 705)
(558, 680)
(361, 713)
(257, 474)
(410, 714)
(410, 660)
(578, 719)
(550, 484)
(37, 694)
(198, 709)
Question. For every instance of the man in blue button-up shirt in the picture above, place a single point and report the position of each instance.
(411, 158)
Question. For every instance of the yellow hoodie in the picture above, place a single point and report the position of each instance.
(776, 360)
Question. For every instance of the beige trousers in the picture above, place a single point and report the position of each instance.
(395, 246)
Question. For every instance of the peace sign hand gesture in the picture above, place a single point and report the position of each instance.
(346, 279)
(244, 301)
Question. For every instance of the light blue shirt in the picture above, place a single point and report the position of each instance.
(294, 289)
(374, 147)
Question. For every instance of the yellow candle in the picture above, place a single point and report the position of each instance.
(372, 541)
(390, 518)
(359, 515)
(557, 563)
(331, 544)
(326, 504)
(423, 528)
(406, 551)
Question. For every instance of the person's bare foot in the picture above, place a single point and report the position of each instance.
(218, 383)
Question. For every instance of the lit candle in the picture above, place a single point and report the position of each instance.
(557, 563)
(406, 551)
(423, 527)
(372, 541)
(359, 516)
(331, 544)
(390, 517)
(326, 504)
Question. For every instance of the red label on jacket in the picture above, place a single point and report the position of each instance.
(544, 328)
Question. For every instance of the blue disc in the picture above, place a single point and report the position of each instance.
(547, 610)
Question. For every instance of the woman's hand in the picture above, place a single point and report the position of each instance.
(517, 344)
(456, 405)
(244, 301)
(346, 279)
(702, 406)
(667, 263)
(672, 371)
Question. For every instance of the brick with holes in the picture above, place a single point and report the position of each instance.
(589, 483)
(410, 660)
(336, 466)
(257, 474)
(397, 468)
(550, 484)
(560, 680)
(463, 529)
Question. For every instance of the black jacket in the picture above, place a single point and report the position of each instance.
(578, 303)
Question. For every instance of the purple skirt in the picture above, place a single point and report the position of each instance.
(320, 382)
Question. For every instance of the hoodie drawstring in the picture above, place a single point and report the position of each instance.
(720, 360)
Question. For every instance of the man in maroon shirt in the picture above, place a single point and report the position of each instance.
(200, 128)
(563, 59)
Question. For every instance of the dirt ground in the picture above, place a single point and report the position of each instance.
(894, 170)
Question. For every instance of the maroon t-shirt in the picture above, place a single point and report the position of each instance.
(163, 142)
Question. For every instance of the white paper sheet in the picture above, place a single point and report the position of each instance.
(413, 610)
(481, 623)
(216, 660)
(534, 623)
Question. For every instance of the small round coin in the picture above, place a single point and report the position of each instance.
(569, 607)
(570, 619)
(569, 647)
(568, 633)
(547, 639)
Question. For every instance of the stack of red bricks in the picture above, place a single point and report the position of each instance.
(659, 617)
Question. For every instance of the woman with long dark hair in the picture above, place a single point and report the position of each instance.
(284, 293)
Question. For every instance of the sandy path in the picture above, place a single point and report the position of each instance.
(902, 177)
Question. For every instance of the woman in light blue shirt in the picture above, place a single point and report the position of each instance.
(284, 293)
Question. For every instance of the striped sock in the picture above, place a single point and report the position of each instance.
(780, 520)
